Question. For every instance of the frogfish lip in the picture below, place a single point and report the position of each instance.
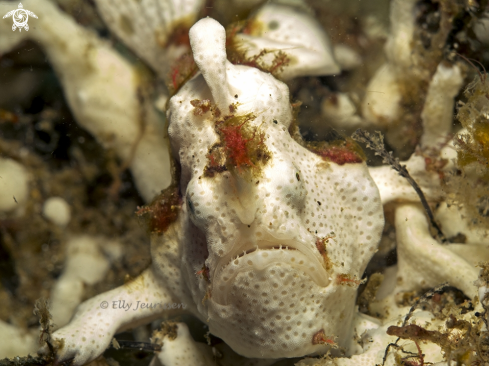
(263, 254)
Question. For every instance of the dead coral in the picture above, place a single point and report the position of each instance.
(375, 142)
(432, 42)
(463, 338)
(34, 247)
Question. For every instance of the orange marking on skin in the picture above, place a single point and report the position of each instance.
(320, 338)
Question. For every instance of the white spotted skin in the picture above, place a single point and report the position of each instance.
(271, 301)
(275, 304)
(93, 326)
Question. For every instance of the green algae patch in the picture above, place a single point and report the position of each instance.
(343, 151)
(473, 146)
(236, 50)
(468, 184)
(162, 211)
